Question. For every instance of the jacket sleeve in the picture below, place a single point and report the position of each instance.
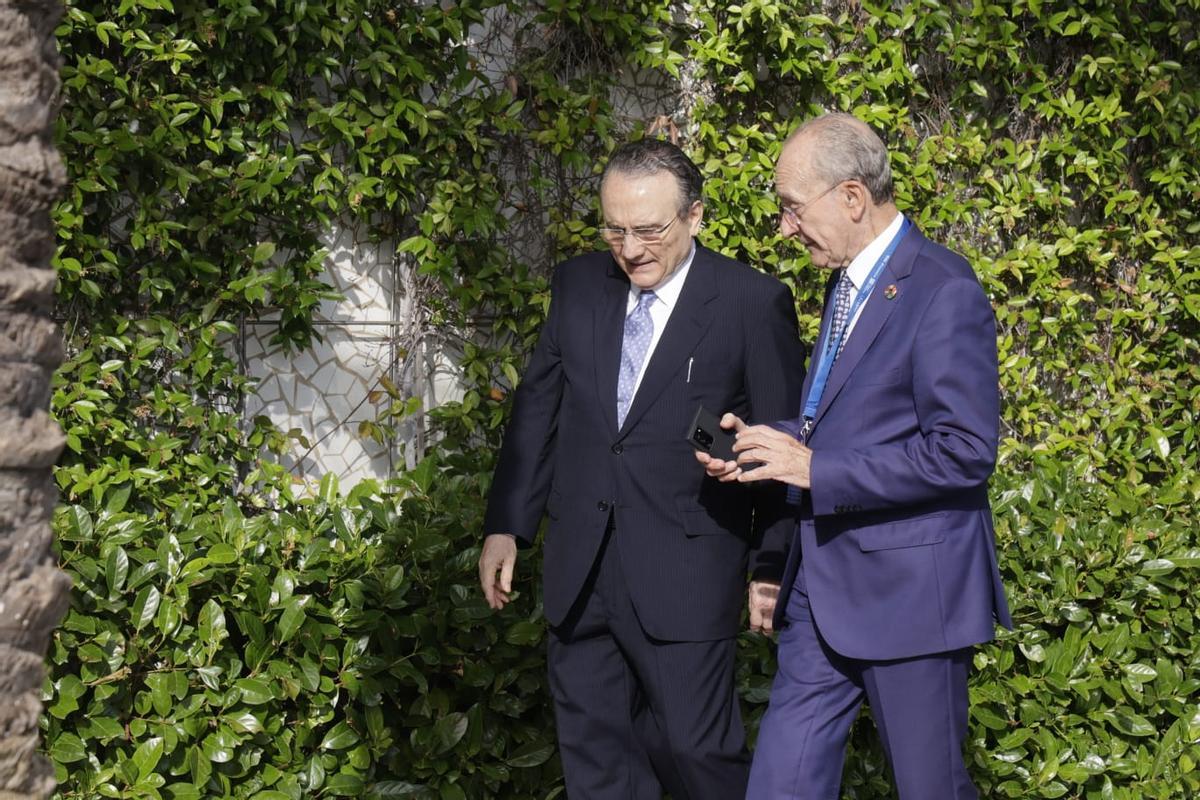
(955, 386)
(524, 470)
(774, 375)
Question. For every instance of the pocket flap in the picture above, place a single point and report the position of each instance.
(696, 520)
(919, 532)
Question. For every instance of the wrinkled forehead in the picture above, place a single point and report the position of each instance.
(637, 199)
(792, 171)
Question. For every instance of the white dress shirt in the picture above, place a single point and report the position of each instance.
(860, 268)
(667, 295)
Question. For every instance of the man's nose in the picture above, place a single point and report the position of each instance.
(632, 249)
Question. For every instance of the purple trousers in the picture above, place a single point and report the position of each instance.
(919, 706)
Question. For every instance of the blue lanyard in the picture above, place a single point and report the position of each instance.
(829, 352)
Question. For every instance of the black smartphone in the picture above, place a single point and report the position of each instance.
(706, 434)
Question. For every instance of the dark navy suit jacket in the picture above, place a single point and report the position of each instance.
(895, 537)
(685, 540)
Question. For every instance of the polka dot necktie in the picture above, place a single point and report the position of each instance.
(841, 313)
(639, 328)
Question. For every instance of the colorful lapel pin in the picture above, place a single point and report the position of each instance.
(890, 291)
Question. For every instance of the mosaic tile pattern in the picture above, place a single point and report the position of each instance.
(323, 391)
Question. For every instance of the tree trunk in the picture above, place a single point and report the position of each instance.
(33, 592)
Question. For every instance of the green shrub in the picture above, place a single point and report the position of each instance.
(230, 639)
(337, 648)
(1095, 691)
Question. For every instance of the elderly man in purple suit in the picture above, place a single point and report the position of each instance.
(892, 577)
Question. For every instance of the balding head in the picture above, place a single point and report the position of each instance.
(835, 188)
(841, 147)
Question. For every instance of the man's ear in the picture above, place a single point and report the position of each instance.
(855, 197)
(695, 216)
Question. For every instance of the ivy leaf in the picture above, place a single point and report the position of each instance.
(339, 737)
(220, 746)
(212, 623)
(524, 633)
(1157, 566)
(255, 691)
(1130, 723)
(263, 251)
(244, 723)
(222, 553)
(103, 729)
(147, 756)
(343, 785)
(68, 690)
(116, 570)
(292, 618)
(68, 748)
(533, 754)
(145, 606)
(449, 730)
(388, 790)
(1160, 442)
(210, 676)
(79, 523)
(1140, 673)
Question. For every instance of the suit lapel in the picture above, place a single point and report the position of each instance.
(874, 314)
(609, 328)
(687, 325)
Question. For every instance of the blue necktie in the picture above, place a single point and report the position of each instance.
(841, 313)
(639, 328)
(841, 318)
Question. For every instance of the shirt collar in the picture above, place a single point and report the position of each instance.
(668, 291)
(864, 262)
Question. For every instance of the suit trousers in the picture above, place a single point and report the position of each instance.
(637, 715)
(919, 706)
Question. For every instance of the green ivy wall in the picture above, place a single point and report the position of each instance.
(228, 638)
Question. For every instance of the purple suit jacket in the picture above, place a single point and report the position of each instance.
(894, 541)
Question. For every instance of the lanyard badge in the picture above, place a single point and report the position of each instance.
(829, 352)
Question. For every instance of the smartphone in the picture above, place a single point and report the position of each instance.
(706, 434)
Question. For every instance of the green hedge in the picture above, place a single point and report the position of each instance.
(229, 637)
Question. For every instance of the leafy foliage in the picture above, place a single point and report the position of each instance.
(292, 655)
(228, 638)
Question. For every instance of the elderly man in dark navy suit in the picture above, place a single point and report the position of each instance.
(891, 578)
(646, 558)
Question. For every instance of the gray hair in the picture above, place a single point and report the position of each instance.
(652, 156)
(846, 148)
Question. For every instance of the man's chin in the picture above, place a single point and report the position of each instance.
(642, 275)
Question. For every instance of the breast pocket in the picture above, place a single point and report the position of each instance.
(713, 375)
(887, 377)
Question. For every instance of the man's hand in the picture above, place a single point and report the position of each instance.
(775, 455)
(724, 471)
(499, 555)
(779, 456)
(763, 595)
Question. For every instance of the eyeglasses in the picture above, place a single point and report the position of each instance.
(793, 213)
(645, 234)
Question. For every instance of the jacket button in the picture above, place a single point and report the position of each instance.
(602, 505)
(618, 448)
